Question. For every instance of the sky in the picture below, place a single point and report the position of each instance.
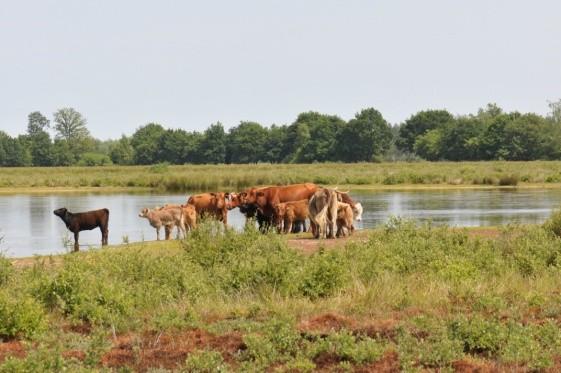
(187, 64)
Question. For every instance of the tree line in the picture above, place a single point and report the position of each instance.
(490, 134)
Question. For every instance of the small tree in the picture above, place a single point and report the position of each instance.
(555, 111)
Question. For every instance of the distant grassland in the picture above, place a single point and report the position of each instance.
(164, 177)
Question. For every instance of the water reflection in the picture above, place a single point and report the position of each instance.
(31, 228)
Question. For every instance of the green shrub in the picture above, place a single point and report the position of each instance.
(508, 180)
(347, 347)
(323, 274)
(94, 159)
(205, 362)
(553, 224)
(160, 168)
(479, 335)
(5, 269)
(20, 316)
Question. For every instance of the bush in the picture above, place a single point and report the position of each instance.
(508, 180)
(5, 270)
(479, 335)
(205, 362)
(20, 316)
(323, 274)
(94, 159)
(553, 224)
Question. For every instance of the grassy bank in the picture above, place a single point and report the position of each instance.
(236, 177)
(404, 297)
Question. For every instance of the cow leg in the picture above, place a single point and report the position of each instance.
(289, 228)
(304, 226)
(104, 235)
(157, 233)
(76, 245)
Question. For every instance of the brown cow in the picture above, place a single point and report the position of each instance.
(85, 221)
(287, 213)
(345, 218)
(267, 197)
(210, 204)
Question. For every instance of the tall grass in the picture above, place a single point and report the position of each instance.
(235, 177)
(446, 296)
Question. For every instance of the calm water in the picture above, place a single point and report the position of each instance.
(31, 228)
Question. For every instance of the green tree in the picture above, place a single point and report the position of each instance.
(70, 125)
(525, 138)
(41, 146)
(212, 147)
(555, 111)
(246, 143)
(274, 144)
(62, 154)
(122, 152)
(318, 144)
(461, 139)
(418, 125)
(174, 145)
(13, 152)
(428, 145)
(36, 123)
(364, 138)
(145, 142)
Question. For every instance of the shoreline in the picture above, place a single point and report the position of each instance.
(356, 187)
(304, 243)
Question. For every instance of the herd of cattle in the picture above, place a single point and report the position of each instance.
(330, 212)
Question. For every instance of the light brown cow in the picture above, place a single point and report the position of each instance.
(210, 204)
(345, 218)
(323, 213)
(168, 217)
(287, 213)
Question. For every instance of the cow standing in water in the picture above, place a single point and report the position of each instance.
(85, 221)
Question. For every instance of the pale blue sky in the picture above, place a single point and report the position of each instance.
(187, 64)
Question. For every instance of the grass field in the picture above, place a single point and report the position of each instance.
(236, 177)
(400, 297)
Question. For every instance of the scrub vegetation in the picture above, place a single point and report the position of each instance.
(403, 297)
(165, 177)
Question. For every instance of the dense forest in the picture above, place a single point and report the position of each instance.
(490, 134)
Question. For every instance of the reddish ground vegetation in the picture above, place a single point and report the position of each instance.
(12, 348)
(330, 322)
(388, 363)
(167, 350)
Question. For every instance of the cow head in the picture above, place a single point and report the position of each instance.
(248, 196)
(233, 200)
(60, 212)
(358, 211)
(144, 213)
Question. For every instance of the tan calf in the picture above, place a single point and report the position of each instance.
(287, 213)
(167, 217)
(345, 218)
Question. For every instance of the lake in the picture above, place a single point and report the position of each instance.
(31, 228)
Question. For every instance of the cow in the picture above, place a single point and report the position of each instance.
(189, 218)
(251, 211)
(289, 213)
(210, 204)
(344, 219)
(267, 197)
(82, 221)
(356, 206)
(167, 216)
(323, 212)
